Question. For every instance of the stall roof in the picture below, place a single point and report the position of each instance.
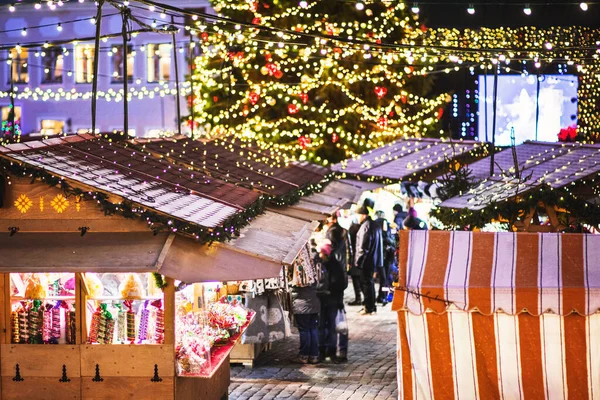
(235, 161)
(554, 164)
(406, 158)
(203, 196)
(270, 241)
(506, 271)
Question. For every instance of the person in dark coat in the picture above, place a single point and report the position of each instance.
(354, 272)
(389, 251)
(368, 257)
(399, 216)
(306, 307)
(335, 261)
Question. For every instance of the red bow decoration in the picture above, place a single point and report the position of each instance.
(253, 97)
(304, 98)
(335, 138)
(440, 113)
(568, 134)
(293, 109)
(380, 91)
(304, 141)
(382, 122)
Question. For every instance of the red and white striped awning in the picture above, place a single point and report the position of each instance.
(509, 272)
(522, 320)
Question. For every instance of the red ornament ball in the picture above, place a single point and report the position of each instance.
(293, 109)
(380, 91)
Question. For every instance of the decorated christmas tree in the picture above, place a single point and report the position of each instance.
(323, 80)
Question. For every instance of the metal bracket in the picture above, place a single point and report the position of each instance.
(64, 377)
(97, 377)
(18, 377)
(156, 378)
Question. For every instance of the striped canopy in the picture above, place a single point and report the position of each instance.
(498, 315)
(509, 272)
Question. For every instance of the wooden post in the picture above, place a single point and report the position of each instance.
(169, 304)
(80, 309)
(6, 310)
(494, 120)
(96, 53)
(176, 76)
(125, 17)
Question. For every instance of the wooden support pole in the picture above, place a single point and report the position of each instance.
(169, 304)
(125, 17)
(176, 76)
(96, 59)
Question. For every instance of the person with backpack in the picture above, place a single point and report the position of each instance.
(334, 253)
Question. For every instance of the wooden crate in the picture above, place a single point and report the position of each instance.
(122, 388)
(246, 353)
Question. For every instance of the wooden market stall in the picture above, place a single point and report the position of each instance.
(498, 315)
(94, 305)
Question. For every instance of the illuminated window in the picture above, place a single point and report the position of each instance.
(53, 61)
(117, 63)
(82, 131)
(6, 123)
(19, 72)
(159, 62)
(52, 127)
(84, 63)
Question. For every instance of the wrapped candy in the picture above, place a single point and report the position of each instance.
(23, 323)
(131, 288)
(95, 326)
(143, 326)
(37, 287)
(122, 326)
(130, 321)
(14, 319)
(106, 325)
(56, 321)
(71, 329)
(159, 327)
(47, 324)
(94, 285)
(35, 323)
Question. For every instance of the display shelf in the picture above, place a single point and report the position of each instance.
(219, 354)
(119, 298)
(20, 298)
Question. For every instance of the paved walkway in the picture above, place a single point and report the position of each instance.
(369, 374)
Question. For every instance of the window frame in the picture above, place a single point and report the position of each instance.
(86, 59)
(130, 68)
(157, 58)
(53, 68)
(20, 64)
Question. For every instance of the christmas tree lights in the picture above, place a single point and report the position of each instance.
(313, 94)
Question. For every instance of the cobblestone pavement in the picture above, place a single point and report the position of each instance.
(369, 374)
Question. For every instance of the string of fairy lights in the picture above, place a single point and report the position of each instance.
(335, 55)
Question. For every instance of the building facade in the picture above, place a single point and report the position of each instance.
(53, 79)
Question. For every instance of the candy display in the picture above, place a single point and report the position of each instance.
(227, 316)
(130, 321)
(201, 333)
